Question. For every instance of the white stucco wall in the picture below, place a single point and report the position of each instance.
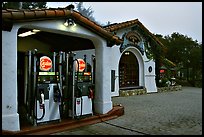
(150, 82)
(10, 117)
(103, 79)
(114, 64)
(146, 78)
(115, 59)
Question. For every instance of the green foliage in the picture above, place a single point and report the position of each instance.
(25, 5)
(163, 82)
(34, 5)
(87, 12)
(10, 5)
(148, 51)
(185, 53)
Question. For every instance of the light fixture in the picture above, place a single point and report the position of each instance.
(26, 34)
(127, 53)
(31, 32)
(69, 22)
(66, 23)
(70, 7)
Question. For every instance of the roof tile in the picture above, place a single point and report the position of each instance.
(49, 13)
(59, 13)
(17, 15)
(11, 15)
(29, 14)
(39, 14)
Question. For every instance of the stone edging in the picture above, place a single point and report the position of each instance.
(170, 88)
(133, 92)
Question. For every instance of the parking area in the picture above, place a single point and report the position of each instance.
(165, 113)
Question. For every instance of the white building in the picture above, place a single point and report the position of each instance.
(120, 50)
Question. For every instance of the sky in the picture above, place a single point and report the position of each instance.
(158, 17)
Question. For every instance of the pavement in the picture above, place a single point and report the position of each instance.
(164, 113)
(66, 124)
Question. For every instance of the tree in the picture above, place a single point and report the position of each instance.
(185, 53)
(34, 5)
(195, 64)
(87, 12)
(10, 5)
(25, 5)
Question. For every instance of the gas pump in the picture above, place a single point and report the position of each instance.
(84, 94)
(57, 88)
(43, 93)
(82, 90)
(48, 97)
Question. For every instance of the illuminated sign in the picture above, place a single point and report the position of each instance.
(45, 63)
(162, 71)
(47, 73)
(82, 65)
(87, 73)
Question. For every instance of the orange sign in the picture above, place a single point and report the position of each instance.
(82, 65)
(45, 63)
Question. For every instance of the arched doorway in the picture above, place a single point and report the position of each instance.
(128, 70)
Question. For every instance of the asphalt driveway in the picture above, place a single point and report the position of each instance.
(165, 113)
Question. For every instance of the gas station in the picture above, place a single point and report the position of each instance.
(54, 72)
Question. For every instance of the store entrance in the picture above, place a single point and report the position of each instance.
(128, 71)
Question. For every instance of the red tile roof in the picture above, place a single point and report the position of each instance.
(118, 26)
(11, 16)
(122, 25)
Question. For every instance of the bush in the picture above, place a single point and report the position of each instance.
(163, 82)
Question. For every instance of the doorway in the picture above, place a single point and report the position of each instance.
(128, 71)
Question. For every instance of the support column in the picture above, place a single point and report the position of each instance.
(150, 82)
(102, 100)
(10, 117)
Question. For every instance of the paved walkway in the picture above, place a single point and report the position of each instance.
(166, 113)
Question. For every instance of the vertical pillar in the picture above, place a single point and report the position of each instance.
(102, 99)
(150, 82)
(10, 117)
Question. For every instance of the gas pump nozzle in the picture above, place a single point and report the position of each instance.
(43, 98)
(42, 104)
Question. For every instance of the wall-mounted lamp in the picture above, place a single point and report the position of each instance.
(69, 22)
(70, 7)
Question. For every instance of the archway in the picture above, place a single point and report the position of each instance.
(46, 42)
(128, 70)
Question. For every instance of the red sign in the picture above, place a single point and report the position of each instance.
(162, 71)
(82, 65)
(45, 63)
